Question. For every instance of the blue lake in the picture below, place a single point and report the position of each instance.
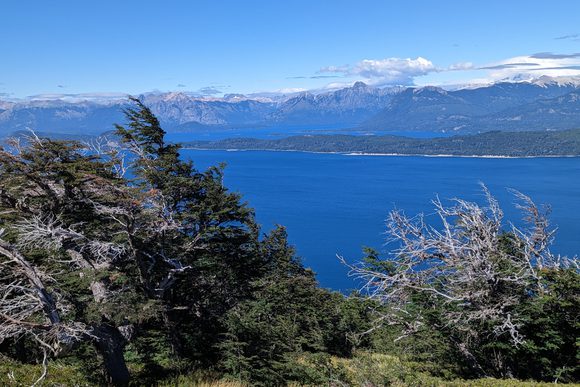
(335, 204)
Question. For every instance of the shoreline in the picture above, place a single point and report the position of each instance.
(388, 154)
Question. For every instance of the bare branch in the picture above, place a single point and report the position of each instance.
(466, 264)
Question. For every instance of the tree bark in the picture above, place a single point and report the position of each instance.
(110, 345)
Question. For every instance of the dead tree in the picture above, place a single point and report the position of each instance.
(471, 265)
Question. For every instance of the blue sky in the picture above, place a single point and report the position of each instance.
(215, 47)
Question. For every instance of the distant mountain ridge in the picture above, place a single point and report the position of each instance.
(176, 109)
(348, 106)
(543, 104)
(501, 106)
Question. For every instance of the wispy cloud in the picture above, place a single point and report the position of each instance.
(533, 66)
(209, 91)
(574, 37)
(314, 77)
(96, 96)
(206, 91)
(573, 67)
(551, 55)
(459, 66)
(324, 76)
(290, 90)
(508, 66)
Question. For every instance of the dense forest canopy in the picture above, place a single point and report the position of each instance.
(125, 253)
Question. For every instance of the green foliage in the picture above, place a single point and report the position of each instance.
(551, 327)
(202, 298)
(547, 321)
(164, 255)
(207, 229)
(50, 201)
(288, 316)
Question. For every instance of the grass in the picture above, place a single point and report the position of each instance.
(365, 369)
(13, 373)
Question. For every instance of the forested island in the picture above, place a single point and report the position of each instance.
(496, 143)
(123, 264)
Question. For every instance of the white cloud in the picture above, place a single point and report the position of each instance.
(389, 71)
(534, 66)
(392, 71)
(406, 71)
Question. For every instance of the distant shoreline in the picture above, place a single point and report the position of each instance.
(463, 156)
(387, 154)
(485, 145)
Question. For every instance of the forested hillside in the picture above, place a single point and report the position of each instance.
(522, 144)
(121, 263)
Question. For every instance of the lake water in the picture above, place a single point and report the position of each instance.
(335, 204)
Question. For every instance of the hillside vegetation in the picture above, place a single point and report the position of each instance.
(123, 264)
(364, 369)
(514, 144)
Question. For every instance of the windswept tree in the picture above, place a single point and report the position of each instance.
(64, 249)
(197, 246)
(89, 255)
(468, 279)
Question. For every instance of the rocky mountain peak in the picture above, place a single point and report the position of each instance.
(359, 85)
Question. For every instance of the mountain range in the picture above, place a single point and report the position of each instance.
(542, 104)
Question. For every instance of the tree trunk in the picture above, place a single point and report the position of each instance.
(174, 336)
(110, 345)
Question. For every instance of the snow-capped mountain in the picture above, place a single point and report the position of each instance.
(176, 109)
(348, 106)
(493, 107)
(542, 103)
(60, 117)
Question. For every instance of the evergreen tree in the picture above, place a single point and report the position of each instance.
(197, 246)
(65, 250)
(287, 317)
